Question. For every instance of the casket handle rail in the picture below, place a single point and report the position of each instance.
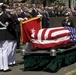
(52, 52)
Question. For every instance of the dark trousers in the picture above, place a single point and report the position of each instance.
(18, 39)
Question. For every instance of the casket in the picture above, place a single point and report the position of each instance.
(52, 50)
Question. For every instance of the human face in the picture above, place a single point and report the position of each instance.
(18, 11)
(66, 17)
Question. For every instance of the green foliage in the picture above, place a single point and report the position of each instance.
(59, 3)
(24, 1)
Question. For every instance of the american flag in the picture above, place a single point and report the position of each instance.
(50, 37)
(72, 32)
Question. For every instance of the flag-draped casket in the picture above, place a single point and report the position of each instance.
(46, 37)
(51, 37)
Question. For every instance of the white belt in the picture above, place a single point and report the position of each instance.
(3, 28)
(5, 25)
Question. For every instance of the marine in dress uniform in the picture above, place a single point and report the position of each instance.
(16, 19)
(13, 42)
(17, 29)
(4, 41)
(67, 21)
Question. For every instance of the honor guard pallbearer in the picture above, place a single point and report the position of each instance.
(5, 36)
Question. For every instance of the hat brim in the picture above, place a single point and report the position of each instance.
(3, 7)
